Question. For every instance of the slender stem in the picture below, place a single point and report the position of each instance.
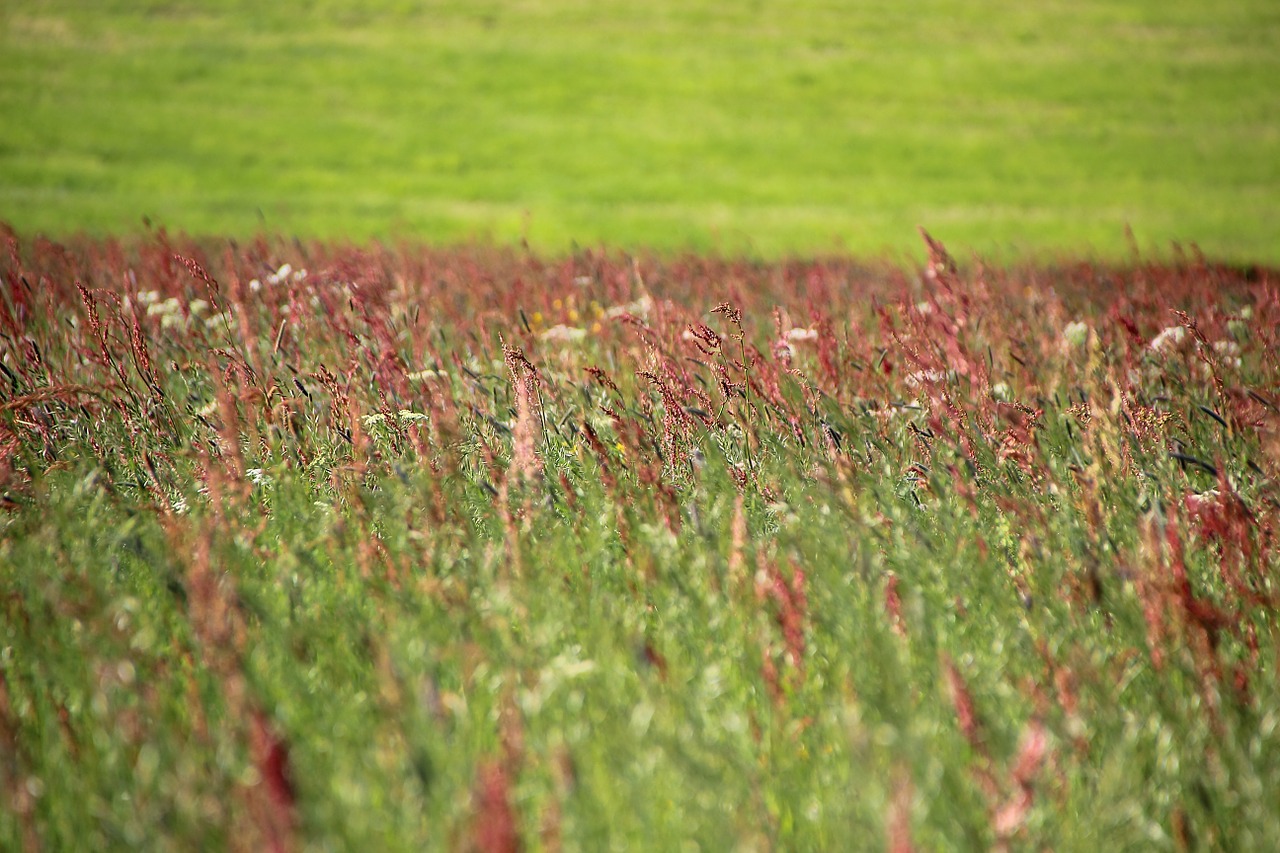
(746, 387)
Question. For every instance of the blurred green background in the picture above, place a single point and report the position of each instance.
(1009, 128)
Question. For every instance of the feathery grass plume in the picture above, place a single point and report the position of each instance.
(737, 562)
(962, 702)
(897, 818)
(786, 598)
(677, 426)
(274, 810)
(495, 828)
(941, 267)
(1011, 815)
(525, 384)
(893, 605)
(745, 365)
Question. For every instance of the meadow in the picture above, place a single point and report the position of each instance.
(313, 546)
(538, 425)
(1016, 130)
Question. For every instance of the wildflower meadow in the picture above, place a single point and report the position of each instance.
(396, 547)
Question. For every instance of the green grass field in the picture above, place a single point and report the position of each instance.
(768, 128)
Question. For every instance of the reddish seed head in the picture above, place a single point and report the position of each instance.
(495, 828)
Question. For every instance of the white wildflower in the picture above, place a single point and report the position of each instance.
(891, 412)
(410, 416)
(564, 334)
(168, 306)
(424, 375)
(567, 668)
(197, 307)
(797, 335)
(1001, 392)
(282, 274)
(216, 321)
(1230, 352)
(258, 476)
(921, 377)
(1168, 339)
(1076, 334)
(1226, 347)
(640, 308)
(564, 668)
(1203, 501)
(782, 511)
(148, 297)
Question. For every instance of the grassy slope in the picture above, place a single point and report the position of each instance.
(766, 127)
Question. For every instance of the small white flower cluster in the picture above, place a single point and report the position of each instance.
(1238, 326)
(405, 416)
(1075, 335)
(145, 297)
(922, 377)
(784, 347)
(561, 671)
(564, 334)
(1229, 350)
(1168, 339)
(1174, 336)
(170, 311)
(639, 308)
(219, 321)
(1202, 501)
(800, 335)
(285, 274)
(781, 511)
